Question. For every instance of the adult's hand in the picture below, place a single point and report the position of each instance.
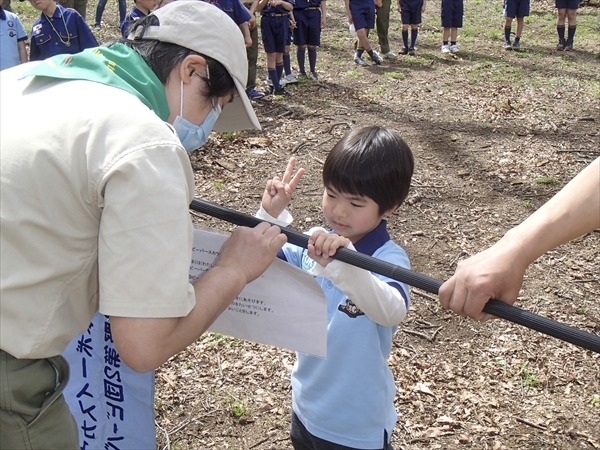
(494, 273)
(250, 251)
(498, 272)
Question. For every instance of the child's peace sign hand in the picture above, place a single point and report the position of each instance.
(278, 191)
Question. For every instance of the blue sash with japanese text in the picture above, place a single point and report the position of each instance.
(112, 405)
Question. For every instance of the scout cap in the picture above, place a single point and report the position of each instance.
(204, 28)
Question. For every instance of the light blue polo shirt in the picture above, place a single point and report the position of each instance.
(11, 32)
(348, 398)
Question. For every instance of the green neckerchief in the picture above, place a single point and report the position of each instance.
(118, 66)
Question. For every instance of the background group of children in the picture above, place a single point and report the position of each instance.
(63, 30)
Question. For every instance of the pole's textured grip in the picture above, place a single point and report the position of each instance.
(497, 308)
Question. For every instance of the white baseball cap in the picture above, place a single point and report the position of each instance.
(205, 29)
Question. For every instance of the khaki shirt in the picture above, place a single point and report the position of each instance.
(94, 199)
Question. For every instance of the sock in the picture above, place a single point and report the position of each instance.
(359, 52)
(301, 55)
(571, 34)
(286, 63)
(414, 32)
(274, 78)
(517, 38)
(312, 58)
(507, 33)
(370, 52)
(445, 42)
(405, 38)
(279, 69)
(560, 29)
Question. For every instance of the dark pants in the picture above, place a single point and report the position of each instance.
(303, 440)
(78, 5)
(383, 25)
(33, 411)
(100, 10)
(252, 55)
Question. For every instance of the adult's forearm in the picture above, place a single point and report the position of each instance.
(144, 344)
(572, 212)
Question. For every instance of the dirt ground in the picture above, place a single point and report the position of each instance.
(495, 134)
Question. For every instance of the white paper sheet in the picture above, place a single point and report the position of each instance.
(284, 307)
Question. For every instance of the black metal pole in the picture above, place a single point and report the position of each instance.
(499, 309)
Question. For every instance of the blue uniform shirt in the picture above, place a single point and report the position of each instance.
(270, 9)
(348, 398)
(64, 32)
(234, 9)
(132, 16)
(302, 4)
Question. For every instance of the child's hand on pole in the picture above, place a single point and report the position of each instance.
(322, 246)
(278, 191)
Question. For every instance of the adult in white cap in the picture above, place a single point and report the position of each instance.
(95, 190)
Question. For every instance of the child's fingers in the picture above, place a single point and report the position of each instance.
(295, 180)
(273, 186)
(316, 240)
(289, 170)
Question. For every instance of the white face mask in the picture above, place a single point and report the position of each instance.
(193, 136)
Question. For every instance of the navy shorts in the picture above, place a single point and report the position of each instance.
(363, 14)
(308, 27)
(516, 8)
(566, 4)
(274, 31)
(302, 438)
(411, 11)
(452, 13)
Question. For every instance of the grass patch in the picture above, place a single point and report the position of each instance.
(528, 377)
(394, 76)
(228, 136)
(548, 181)
(353, 74)
(238, 408)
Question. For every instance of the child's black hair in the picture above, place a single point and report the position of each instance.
(372, 162)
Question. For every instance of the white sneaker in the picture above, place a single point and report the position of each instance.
(290, 79)
(445, 48)
(454, 48)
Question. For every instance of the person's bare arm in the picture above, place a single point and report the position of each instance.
(498, 271)
(22, 52)
(145, 344)
(286, 5)
(245, 28)
(260, 5)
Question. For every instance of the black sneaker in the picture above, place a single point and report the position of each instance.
(411, 51)
(302, 76)
(569, 45)
(313, 76)
(404, 51)
(281, 91)
(561, 45)
(516, 45)
(507, 45)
